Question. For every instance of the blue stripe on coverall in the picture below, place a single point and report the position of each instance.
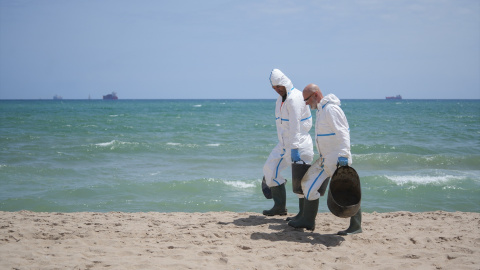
(322, 135)
(278, 165)
(310, 189)
(276, 172)
(283, 119)
(306, 118)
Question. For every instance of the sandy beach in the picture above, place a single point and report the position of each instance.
(228, 240)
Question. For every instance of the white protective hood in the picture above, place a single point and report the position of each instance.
(330, 99)
(278, 78)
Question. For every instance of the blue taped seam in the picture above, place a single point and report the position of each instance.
(283, 119)
(310, 189)
(329, 134)
(290, 91)
(278, 165)
(306, 118)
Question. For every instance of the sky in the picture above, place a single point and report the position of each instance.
(221, 49)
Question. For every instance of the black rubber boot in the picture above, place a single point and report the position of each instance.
(355, 224)
(307, 221)
(280, 199)
(300, 213)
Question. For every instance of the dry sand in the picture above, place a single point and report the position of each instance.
(227, 240)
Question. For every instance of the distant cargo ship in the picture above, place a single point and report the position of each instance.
(57, 97)
(111, 96)
(396, 97)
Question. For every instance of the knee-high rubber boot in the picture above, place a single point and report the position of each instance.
(279, 196)
(355, 224)
(307, 221)
(300, 213)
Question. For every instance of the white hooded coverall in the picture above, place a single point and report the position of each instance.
(293, 120)
(332, 137)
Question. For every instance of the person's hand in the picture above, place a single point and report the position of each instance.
(295, 155)
(342, 161)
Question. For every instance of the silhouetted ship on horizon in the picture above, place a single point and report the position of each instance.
(396, 97)
(112, 96)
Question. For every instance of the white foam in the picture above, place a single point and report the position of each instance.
(452, 187)
(213, 144)
(105, 144)
(197, 106)
(239, 184)
(422, 179)
(172, 143)
(115, 142)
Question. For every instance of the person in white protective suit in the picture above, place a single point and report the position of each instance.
(332, 137)
(293, 120)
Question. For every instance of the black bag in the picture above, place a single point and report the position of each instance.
(266, 190)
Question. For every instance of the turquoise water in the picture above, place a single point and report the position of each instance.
(207, 155)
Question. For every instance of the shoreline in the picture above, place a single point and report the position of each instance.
(231, 240)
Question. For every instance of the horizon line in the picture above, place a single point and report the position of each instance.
(85, 99)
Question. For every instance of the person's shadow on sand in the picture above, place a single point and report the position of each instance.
(287, 233)
(295, 235)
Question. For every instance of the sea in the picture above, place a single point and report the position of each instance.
(207, 155)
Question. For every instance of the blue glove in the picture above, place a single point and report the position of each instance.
(342, 161)
(295, 155)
